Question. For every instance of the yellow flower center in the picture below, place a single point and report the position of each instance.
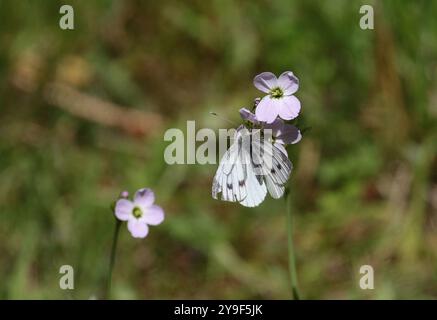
(276, 93)
(137, 212)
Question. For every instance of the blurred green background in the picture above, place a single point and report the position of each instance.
(83, 113)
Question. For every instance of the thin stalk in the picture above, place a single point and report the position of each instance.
(291, 257)
(112, 258)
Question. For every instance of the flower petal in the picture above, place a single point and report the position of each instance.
(123, 209)
(248, 116)
(284, 133)
(267, 109)
(289, 108)
(288, 82)
(153, 216)
(144, 197)
(276, 127)
(288, 134)
(265, 81)
(137, 228)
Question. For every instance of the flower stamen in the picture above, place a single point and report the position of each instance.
(276, 93)
(137, 212)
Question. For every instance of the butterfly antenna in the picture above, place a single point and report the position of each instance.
(224, 119)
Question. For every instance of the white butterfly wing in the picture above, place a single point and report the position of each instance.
(275, 190)
(256, 189)
(274, 165)
(236, 180)
(221, 176)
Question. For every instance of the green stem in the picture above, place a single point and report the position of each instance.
(112, 258)
(291, 257)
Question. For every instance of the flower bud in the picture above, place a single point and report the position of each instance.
(124, 194)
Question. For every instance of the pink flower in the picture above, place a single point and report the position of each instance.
(139, 213)
(280, 100)
(282, 132)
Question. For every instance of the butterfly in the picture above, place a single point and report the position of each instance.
(250, 167)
